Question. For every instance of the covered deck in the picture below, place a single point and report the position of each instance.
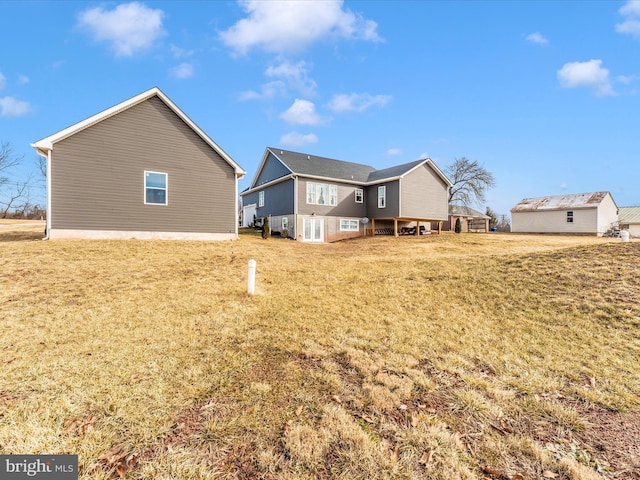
(395, 231)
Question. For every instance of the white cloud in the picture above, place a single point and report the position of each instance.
(295, 75)
(289, 76)
(302, 112)
(295, 139)
(423, 155)
(3, 81)
(586, 74)
(182, 71)
(11, 107)
(179, 53)
(564, 185)
(292, 25)
(356, 102)
(538, 38)
(626, 79)
(23, 79)
(129, 28)
(631, 24)
(268, 90)
(394, 151)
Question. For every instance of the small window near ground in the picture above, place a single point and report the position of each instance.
(569, 217)
(261, 199)
(382, 197)
(359, 195)
(155, 188)
(348, 225)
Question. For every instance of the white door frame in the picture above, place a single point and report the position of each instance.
(316, 229)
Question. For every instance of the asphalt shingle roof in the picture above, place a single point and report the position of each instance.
(464, 211)
(393, 171)
(303, 164)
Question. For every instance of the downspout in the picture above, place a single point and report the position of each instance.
(295, 207)
(48, 219)
(235, 206)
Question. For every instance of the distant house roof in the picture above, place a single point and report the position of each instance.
(330, 168)
(46, 144)
(629, 215)
(561, 202)
(463, 211)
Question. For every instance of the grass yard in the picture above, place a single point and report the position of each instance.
(445, 357)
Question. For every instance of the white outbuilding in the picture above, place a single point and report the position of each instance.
(583, 213)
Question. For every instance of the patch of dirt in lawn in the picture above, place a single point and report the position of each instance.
(616, 437)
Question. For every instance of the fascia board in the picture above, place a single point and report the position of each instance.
(268, 184)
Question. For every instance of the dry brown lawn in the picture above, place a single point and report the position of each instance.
(444, 357)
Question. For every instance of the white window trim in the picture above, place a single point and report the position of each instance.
(261, 198)
(166, 188)
(383, 189)
(350, 223)
(333, 195)
(313, 194)
(570, 216)
(355, 195)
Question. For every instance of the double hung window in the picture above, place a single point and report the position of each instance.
(155, 188)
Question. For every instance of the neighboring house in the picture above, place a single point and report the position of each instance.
(141, 169)
(629, 219)
(317, 199)
(471, 220)
(583, 213)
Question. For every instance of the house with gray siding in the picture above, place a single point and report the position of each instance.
(140, 169)
(319, 199)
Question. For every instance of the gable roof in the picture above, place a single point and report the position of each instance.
(561, 202)
(464, 211)
(316, 166)
(629, 215)
(332, 169)
(46, 144)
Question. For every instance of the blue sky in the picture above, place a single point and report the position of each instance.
(546, 94)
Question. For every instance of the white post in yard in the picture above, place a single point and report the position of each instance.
(251, 277)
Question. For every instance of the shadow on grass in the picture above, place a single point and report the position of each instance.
(20, 236)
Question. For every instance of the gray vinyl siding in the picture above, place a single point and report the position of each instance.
(424, 195)
(272, 169)
(97, 176)
(278, 199)
(392, 196)
(346, 207)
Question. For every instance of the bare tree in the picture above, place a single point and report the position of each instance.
(470, 181)
(7, 162)
(12, 195)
